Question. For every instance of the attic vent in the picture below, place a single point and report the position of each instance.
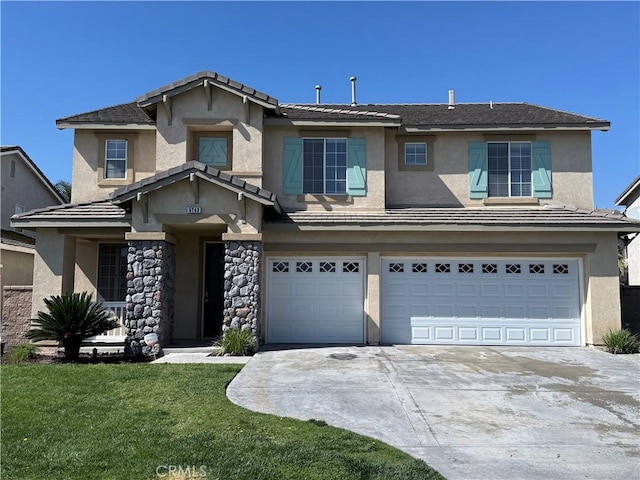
(452, 99)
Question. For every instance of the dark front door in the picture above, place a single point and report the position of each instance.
(213, 289)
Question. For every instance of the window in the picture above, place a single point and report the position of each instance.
(112, 272)
(324, 166)
(19, 208)
(415, 153)
(509, 167)
(115, 159)
(213, 148)
(12, 173)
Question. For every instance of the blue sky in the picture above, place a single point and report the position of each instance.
(63, 58)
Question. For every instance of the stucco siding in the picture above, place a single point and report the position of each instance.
(448, 182)
(87, 184)
(24, 189)
(189, 114)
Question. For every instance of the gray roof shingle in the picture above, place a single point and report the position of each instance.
(439, 115)
(548, 216)
(92, 211)
(124, 114)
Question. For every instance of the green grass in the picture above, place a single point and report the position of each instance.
(125, 421)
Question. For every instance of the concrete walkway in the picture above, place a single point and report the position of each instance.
(469, 412)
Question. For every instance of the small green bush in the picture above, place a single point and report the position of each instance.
(621, 341)
(236, 342)
(21, 353)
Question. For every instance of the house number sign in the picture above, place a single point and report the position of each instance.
(194, 209)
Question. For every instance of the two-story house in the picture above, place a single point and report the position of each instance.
(24, 188)
(207, 204)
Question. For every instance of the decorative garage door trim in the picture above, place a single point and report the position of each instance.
(482, 301)
(315, 299)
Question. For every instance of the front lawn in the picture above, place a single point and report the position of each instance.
(141, 421)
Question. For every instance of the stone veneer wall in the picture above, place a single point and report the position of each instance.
(242, 286)
(150, 290)
(16, 315)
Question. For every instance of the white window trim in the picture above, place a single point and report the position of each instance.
(426, 157)
(324, 165)
(107, 159)
(509, 164)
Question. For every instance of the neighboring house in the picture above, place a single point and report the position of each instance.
(206, 203)
(24, 187)
(630, 199)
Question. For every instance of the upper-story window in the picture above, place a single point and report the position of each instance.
(12, 172)
(19, 209)
(213, 148)
(415, 153)
(509, 169)
(115, 159)
(325, 166)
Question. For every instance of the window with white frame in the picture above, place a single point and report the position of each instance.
(19, 209)
(325, 166)
(415, 153)
(115, 159)
(112, 272)
(509, 169)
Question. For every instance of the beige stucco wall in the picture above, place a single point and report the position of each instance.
(17, 266)
(375, 148)
(174, 143)
(167, 209)
(448, 183)
(596, 251)
(25, 189)
(86, 184)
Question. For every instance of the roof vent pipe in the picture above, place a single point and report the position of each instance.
(452, 99)
(318, 88)
(353, 91)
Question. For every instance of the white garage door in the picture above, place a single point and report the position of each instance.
(315, 300)
(481, 301)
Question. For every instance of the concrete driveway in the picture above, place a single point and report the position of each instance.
(469, 412)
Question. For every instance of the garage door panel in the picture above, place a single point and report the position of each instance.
(315, 300)
(481, 301)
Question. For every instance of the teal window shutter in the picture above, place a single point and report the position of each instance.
(292, 169)
(356, 167)
(478, 174)
(541, 169)
(213, 151)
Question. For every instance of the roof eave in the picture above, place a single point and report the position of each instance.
(61, 125)
(453, 227)
(493, 128)
(630, 191)
(332, 123)
(35, 169)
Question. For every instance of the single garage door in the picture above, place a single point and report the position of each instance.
(315, 300)
(481, 301)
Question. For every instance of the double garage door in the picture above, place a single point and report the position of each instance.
(485, 301)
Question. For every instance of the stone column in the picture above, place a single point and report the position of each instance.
(242, 286)
(150, 291)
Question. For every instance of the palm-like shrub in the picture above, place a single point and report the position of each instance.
(621, 341)
(71, 319)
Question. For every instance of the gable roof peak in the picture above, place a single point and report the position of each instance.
(207, 77)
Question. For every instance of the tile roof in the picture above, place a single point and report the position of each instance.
(182, 171)
(15, 239)
(548, 216)
(439, 115)
(124, 114)
(92, 211)
(195, 80)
